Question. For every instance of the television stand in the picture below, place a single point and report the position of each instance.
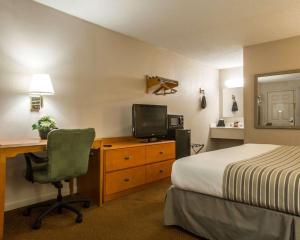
(130, 165)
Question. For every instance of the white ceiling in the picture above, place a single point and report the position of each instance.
(212, 31)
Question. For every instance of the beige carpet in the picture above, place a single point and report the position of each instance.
(136, 216)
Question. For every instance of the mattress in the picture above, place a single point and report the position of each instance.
(203, 173)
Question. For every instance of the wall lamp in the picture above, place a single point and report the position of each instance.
(40, 85)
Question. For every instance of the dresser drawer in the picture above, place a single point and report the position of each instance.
(124, 179)
(160, 152)
(117, 159)
(157, 171)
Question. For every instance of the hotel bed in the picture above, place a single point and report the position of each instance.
(246, 192)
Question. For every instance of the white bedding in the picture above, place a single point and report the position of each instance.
(203, 172)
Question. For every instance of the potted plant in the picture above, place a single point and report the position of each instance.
(44, 126)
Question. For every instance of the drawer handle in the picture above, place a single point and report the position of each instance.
(161, 152)
(161, 170)
(126, 180)
(127, 158)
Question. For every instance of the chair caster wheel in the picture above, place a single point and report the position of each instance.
(37, 225)
(79, 219)
(86, 204)
(26, 212)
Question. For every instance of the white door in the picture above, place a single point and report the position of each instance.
(281, 110)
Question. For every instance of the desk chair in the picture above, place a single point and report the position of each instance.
(68, 154)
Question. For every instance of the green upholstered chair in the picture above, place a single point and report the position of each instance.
(68, 152)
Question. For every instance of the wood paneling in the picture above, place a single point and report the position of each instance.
(158, 171)
(127, 160)
(125, 179)
(117, 159)
(130, 190)
(118, 143)
(89, 184)
(160, 152)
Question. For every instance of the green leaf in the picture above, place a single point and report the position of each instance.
(45, 123)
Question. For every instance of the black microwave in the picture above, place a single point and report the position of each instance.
(175, 121)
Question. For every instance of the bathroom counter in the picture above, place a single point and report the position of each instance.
(227, 132)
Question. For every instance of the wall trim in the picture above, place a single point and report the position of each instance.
(36, 199)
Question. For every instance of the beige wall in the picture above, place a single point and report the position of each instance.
(263, 58)
(224, 75)
(229, 74)
(97, 75)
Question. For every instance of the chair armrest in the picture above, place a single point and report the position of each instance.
(30, 157)
(36, 159)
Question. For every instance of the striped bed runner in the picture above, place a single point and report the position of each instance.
(270, 180)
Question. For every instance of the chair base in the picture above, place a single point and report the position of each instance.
(58, 206)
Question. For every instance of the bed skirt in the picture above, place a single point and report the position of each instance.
(217, 218)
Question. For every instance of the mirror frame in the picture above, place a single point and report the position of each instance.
(256, 76)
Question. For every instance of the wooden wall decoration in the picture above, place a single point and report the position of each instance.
(164, 86)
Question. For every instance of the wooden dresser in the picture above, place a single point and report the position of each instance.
(131, 164)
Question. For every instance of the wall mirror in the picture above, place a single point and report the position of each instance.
(277, 100)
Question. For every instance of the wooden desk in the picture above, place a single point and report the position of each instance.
(9, 149)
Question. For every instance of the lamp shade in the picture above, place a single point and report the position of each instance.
(41, 85)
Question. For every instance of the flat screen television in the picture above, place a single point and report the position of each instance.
(149, 121)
